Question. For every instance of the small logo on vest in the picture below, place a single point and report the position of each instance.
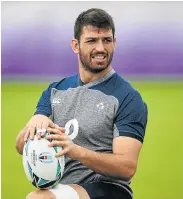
(56, 101)
(100, 106)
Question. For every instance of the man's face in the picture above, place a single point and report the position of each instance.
(96, 48)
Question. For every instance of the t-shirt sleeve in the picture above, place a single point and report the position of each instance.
(131, 117)
(44, 105)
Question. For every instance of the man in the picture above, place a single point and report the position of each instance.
(96, 116)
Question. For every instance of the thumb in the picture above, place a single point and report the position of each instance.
(60, 128)
(52, 125)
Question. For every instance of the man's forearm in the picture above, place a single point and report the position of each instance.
(118, 166)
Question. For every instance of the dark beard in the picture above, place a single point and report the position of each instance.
(88, 67)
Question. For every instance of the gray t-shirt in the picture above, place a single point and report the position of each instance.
(94, 113)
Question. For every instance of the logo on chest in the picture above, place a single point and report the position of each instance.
(56, 101)
(100, 106)
(75, 130)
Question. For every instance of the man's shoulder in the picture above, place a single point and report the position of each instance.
(65, 83)
(128, 94)
(122, 87)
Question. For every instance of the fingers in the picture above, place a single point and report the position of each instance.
(52, 125)
(61, 140)
(61, 129)
(29, 133)
(63, 144)
(38, 123)
(44, 125)
(62, 152)
(26, 135)
(57, 137)
(44, 128)
(32, 132)
(58, 130)
(38, 132)
(38, 126)
(58, 143)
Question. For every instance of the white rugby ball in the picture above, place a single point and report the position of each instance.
(41, 166)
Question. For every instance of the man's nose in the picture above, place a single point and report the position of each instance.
(100, 46)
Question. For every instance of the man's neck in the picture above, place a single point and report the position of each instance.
(87, 76)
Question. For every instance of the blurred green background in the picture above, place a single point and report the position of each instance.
(160, 169)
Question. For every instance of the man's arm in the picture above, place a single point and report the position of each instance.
(122, 163)
(20, 141)
(37, 122)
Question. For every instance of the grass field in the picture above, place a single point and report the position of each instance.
(160, 169)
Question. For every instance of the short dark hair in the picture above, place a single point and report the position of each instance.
(95, 17)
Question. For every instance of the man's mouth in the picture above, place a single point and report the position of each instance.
(99, 57)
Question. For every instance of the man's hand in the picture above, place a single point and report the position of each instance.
(64, 141)
(37, 123)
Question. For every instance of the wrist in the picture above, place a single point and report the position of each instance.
(79, 152)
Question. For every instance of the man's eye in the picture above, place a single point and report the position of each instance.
(90, 41)
(108, 40)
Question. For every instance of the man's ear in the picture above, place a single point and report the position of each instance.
(75, 45)
(114, 43)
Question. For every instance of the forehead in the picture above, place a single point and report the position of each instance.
(91, 31)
